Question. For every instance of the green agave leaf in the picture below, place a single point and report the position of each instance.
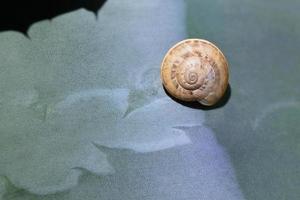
(83, 114)
(78, 84)
(2, 187)
(53, 107)
(187, 171)
(258, 126)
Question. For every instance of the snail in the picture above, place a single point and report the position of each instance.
(195, 70)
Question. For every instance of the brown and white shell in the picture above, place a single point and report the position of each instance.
(195, 70)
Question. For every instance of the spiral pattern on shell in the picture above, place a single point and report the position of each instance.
(195, 70)
(191, 77)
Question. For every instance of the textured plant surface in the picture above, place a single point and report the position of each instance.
(259, 124)
(83, 114)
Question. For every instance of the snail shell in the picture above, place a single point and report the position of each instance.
(195, 70)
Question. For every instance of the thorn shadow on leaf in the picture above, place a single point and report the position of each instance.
(20, 15)
(222, 102)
